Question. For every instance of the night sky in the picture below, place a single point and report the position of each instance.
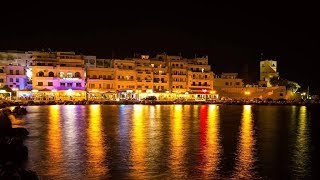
(233, 35)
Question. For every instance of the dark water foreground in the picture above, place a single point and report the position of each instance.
(173, 141)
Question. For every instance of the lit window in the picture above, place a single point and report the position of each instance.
(61, 74)
(69, 75)
(202, 70)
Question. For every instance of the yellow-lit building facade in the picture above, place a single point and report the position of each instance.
(229, 86)
(101, 83)
(58, 76)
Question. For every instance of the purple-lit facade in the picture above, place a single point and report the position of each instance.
(59, 75)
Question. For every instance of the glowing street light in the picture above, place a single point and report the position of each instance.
(247, 93)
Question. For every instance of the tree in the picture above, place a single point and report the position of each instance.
(290, 85)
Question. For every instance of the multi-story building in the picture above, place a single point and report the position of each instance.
(58, 75)
(144, 74)
(178, 75)
(268, 69)
(101, 83)
(126, 77)
(200, 76)
(16, 77)
(161, 78)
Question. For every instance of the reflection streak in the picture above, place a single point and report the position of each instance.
(245, 153)
(96, 150)
(177, 146)
(138, 145)
(301, 156)
(54, 141)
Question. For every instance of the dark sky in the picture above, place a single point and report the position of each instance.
(233, 35)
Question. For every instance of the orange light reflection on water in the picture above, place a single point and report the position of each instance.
(54, 141)
(138, 145)
(96, 149)
(245, 153)
(212, 149)
(177, 144)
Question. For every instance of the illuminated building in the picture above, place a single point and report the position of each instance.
(16, 77)
(200, 76)
(58, 75)
(101, 83)
(268, 69)
(125, 77)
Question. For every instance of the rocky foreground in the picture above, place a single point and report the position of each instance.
(13, 153)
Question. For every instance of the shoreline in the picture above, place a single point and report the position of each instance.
(133, 102)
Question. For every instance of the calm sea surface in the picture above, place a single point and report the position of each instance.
(173, 141)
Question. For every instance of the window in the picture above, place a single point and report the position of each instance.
(69, 74)
(69, 84)
(17, 86)
(17, 72)
(193, 83)
(118, 86)
(61, 74)
(40, 83)
(41, 74)
(108, 86)
(51, 74)
(205, 76)
(281, 94)
(77, 75)
(11, 79)
(11, 72)
(230, 83)
(78, 84)
(147, 87)
(1, 70)
(92, 85)
(11, 86)
(227, 83)
(50, 83)
(62, 84)
(17, 80)
(1, 81)
(237, 83)
(94, 77)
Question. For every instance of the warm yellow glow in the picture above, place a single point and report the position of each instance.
(34, 90)
(245, 158)
(177, 139)
(212, 149)
(3, 91)
(96, 150)
(138, 145)
(302, 152)
(69, 92)
(55, 152)
(213, 92)
(247, 93)
(53, 90)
